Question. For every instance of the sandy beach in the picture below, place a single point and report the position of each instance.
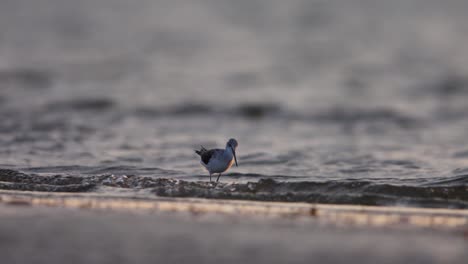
(74, 228)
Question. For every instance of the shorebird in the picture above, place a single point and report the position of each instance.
(218, 160)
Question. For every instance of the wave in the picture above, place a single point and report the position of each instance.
(339, 192)
(82, 104)
(457, 180)
(26, 78)
(116, 111)
(190, 109)
(14, 180)
(267, 110)
(451, 192)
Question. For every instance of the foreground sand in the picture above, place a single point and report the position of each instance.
(64, 228)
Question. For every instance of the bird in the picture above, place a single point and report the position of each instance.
(218, 160)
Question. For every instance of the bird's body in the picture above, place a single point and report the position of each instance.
(218, 160)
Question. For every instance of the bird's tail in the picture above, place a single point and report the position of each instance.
(201, 151)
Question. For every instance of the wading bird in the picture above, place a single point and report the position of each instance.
(218, 160)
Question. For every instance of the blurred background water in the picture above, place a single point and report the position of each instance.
(353, 101)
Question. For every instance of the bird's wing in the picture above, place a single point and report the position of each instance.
(206, 156)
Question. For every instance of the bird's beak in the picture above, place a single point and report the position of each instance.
(235, 158)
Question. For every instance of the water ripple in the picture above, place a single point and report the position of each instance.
(452, 192)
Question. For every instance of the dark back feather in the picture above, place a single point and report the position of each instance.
(205, 154)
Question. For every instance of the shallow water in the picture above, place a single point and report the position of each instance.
(331, 101)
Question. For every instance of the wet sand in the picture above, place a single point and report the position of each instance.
(73, 228)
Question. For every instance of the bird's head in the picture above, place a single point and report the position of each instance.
(232, 144)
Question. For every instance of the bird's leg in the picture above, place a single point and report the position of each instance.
(218, 177)
(210, 177)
